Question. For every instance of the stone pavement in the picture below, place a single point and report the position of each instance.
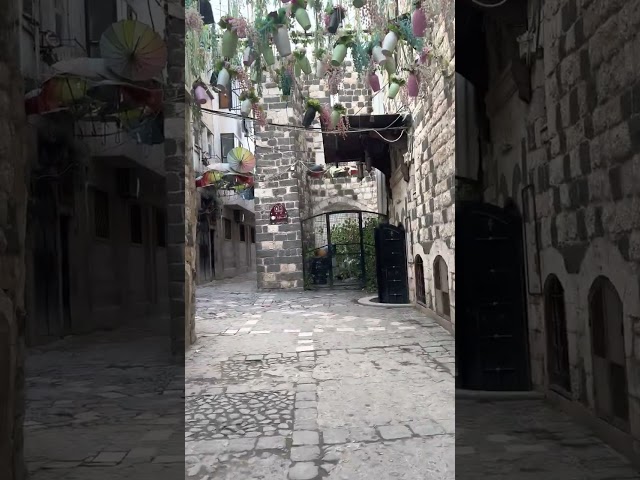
(530, 440)
(302, 386)
(104, 406)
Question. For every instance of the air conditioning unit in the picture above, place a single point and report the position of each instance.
(128, 183)
(238, 216)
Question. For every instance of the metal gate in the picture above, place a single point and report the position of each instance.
(339, 250)
(491, 324)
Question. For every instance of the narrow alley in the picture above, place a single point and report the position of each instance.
(306, 385)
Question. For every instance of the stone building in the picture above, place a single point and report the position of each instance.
(550, 169)
(226, 220)
(422, 178)
(97, 231)
(13, 215)
(285, 156)
(409, 179)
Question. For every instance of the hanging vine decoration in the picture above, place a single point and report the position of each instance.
(372, 21)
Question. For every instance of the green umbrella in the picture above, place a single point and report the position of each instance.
(133, 50)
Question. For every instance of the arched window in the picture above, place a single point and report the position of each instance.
(421, 294)
(609, 360)
(441, 284)
(557, 341)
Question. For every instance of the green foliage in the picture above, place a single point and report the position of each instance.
(361, 56)
(285, 82)
(346, 237)
(398, 80)
(313, 103)
(340, 108)
(406, 32)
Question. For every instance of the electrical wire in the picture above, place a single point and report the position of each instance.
(301, 128)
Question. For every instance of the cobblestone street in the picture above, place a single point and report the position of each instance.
(104, 406)
(300, 386)
(530, 440)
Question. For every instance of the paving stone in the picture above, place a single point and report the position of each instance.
(306, 387)
(306, 425)
(335, 435)
(271, 443)
(306, 437)
(393, 432)
(465, 450)
(303, 471)
(526, 448)
(109, 457)
(309, 396)
(305, 453)
(142, 452)
(157, 436)
(169, 459)
(241, 444)
(302, 405)
(426, 428)
(306, 414)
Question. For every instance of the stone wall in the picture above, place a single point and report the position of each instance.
(283, 158)
(13, 215)
(278, 247)
(577, 142)
(180, 186)
(344, 193)
(425, 203)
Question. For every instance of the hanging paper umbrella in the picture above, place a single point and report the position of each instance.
(241, 160)
(133, 50)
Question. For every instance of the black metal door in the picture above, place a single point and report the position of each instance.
(391, 254)
(491, 325)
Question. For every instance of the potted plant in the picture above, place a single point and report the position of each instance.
(344, 41)
(266, 30)
(390, 41)
(248, 56)
(229, 44)
(284, 80)
(419, 20)
(390, 65)
(225, 73)
(200, 93)
(413, 83)
(302, 62)
(312, 108)
(374, 81)
(336, 114)
(321, 69)
(394, 86)
(299, 11)
(256, 74)
(281, 33)
(247, 100)
(336, 16)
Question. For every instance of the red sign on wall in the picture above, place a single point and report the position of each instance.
(278, 214)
